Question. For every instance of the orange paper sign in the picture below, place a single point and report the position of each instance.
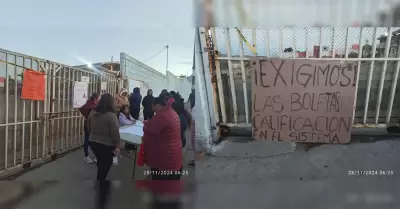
(33, 85)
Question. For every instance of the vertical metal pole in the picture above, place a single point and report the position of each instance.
(333, 42)
(280, 42)
(371, 72)
(253, 31)
(63, 108)
(45, 110)
(23, 119)
(268, 44)
(69, 104)
(58, 129)
(38, 124)
(214, 63)
(320, 43)
(231, 79)
(52, 121)
(307, 33)
(346, 52)
(31, 112)
(294, 43)
(167, 58)
(358, 72)
(394, 85)
(72, 118)
(383, 74)
(246, 103)
(6, 114)
(15, 110)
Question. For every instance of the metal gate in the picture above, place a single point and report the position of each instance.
(33, 131)
(374, 48)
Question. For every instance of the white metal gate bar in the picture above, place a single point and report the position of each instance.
(393, 87)
(358, 70)
(219, 80)
(233, 90)
(383, 74)
(246, 104)
(334, 43)
(34, 130)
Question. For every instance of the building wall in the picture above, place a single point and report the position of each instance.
(140, 75)
(183, 86)
(135, 70)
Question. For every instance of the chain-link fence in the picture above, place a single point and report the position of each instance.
(375, 49)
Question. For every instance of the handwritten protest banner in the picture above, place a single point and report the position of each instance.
(303, 100)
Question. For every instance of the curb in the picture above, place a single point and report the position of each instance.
(24, 191)
(34, 164)
(358, 134)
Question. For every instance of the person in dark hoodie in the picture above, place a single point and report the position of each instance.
(85, 111)
(164, 93)
(179, 107)
(147, 104)
(134, 102)
(191, 99)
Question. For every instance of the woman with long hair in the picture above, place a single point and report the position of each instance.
(104, 137)
(85, 111)
(125, 117)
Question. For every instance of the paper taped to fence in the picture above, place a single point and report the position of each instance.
(302, 100)
(85, 79)
(103, 86)
(33, 85)
(80, 94)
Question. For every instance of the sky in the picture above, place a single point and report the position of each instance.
(95, 30)
(74, 31)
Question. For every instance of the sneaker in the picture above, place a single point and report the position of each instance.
(115, 160)
(192, 164)
(88, 160)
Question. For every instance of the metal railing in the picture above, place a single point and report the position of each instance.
(35, 130)
(374, 48)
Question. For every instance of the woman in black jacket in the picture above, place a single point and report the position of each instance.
(147, 104)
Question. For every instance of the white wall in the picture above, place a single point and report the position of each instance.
(183, 86)
(137, 71)
(146, 77)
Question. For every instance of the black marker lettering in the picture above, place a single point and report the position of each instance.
(278, 72)
(335, 69)
(303, 74)
(345, 76)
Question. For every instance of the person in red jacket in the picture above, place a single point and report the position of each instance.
(162, 142)
(85, 111)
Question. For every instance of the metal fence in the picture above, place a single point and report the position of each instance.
(32, 131)
(374, 48)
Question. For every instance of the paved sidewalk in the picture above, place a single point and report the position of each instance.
(266, 174)
(75, 183)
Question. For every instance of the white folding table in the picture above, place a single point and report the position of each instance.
(132, 134)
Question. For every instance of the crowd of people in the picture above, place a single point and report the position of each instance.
(165, 120)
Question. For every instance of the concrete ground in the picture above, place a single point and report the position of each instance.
(266, 174)
(247, 174)
(69, 183)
